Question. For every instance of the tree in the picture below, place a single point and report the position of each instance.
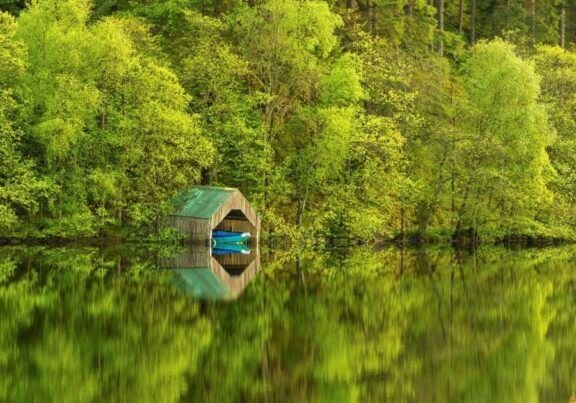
(108, 121)
(503, 181)
(20, 188)
(557, 68)
(286, 45)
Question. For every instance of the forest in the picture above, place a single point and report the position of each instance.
(374, 119)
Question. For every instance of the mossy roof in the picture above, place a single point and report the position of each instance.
(201, 201)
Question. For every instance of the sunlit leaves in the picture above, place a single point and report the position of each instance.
(97, 105)
(343, 85)
(510, 133)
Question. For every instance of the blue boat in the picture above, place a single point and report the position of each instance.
(230, 248)
(226, 237)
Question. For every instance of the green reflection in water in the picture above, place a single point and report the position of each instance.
(90, 325)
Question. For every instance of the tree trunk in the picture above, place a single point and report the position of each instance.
(461, 17)
(301, 208)
(373, 18)
(562, 25)
(408, 9)
(364, 9)
(432, 42)
(426, 215)
(473, 23)
(453, 173)
(441, 27)
(350, 4)
(533, 16)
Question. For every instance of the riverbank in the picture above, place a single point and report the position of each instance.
(410, 239)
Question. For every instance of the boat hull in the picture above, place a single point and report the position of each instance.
(225, 237)
(227, 249)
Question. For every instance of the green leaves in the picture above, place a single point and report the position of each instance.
(509, 134)
(20, 189)
(100, 115)
(331, 123)
(343, 85)
(11, 51)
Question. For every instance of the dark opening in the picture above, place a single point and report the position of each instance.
(236, 221)
(235, 261)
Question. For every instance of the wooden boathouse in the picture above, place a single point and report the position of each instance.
(203, 209)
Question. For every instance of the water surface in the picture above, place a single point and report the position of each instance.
(86, 324)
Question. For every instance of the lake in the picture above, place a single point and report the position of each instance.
(141, 324)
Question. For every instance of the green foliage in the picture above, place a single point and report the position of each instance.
(507, 157)
(343, 85)
(107, 123)
(557, 68)
(20, 189)
(333, 117)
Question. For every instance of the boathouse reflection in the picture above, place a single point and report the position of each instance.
(208, 273)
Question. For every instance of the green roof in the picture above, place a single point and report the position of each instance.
(201, 201)
(200, 283)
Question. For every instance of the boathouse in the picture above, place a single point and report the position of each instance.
(203, 209)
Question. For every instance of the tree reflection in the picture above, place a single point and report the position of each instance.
(73, 330)
(82, 324)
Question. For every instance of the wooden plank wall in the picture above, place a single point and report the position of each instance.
(196, 229)
(236, 225)
(235, 202)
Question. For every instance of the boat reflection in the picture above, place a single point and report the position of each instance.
(219, 273)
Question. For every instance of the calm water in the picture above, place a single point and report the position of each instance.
(82, 324)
